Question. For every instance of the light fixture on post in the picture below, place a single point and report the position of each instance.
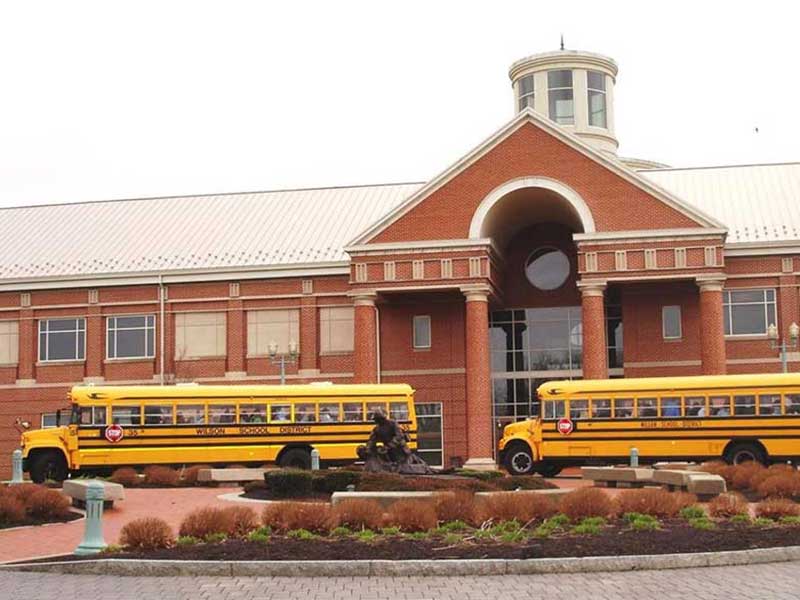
(778, 342)
(283, 358)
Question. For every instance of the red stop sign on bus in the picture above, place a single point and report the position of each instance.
(565, 426)
(114, 433)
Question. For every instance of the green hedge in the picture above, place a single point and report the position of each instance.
(289, 483)
(335, 480)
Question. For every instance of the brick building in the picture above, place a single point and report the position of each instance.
(524, 260)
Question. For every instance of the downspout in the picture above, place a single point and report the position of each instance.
(378, 341)
(162, 328)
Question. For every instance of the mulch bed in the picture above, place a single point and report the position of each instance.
(616, 540)
(72, 516)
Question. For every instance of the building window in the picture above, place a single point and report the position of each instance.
(62, 339)
(200, 334)
(671, 322)
(267, 326)
(9, 342)
(748, 312)
(547, 268)
(422, 331)
(336, 329)
(596, 84)
(429, 432)
(49, 420)
(559, 89)
(130, 337)
(525, 92)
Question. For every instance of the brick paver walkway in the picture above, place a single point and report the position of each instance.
(774, 582)
(62, 538)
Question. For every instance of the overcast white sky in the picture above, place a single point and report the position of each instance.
(120, 99)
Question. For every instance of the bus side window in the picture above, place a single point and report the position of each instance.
(398, 411)
(671, 407)
(720, 406)
(371, 406)
(695, 406)
(126, 415)
(252, 413)
(601, 409)
(553, 409)
(579, 409)
(221, 414)
(744, 405)
(194, 414)
(769, 404)
(305, 413)
(623, 408)
(280, 413)
(647, 408)
(792, 404)
(353, 412)
(328, 412)
(157, 415)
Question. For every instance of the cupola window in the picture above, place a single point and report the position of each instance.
(526, 92)
(596, 84)
(559, 86)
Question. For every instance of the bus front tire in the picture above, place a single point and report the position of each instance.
(48, 465)
(519, 460)
(296, 458)
(740, 453)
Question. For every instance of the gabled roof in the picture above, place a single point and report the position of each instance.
(757, 203)
(528, 115)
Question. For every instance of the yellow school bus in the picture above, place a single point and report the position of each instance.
(192, 424)
(733, 417)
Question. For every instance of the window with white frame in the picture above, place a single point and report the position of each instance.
(559, 91)
(281, 326)
(429, 432)
(131, 336)
(748, 312)
(525, 92)
(596, 86)
(671, 322)
(422, 331)
(200, 334)
(336, 329)
(62, 339)
(9, 342)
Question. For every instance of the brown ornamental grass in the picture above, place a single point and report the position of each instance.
(147, 533)
(744, 475)
(191, 473)
(161, 476)
(514, 506)
(780, 485)
(776, 508)
(654, 502)
(45, 504)
(412, 515)
(458, 505)
(317, 517)
(587, 502)
(12, 510)
(125, 476)
(728, 505)
(358, 513)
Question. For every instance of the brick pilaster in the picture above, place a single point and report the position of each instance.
(26, 369)
(365, 343)
(595, 348)
(95, 343)
(236, 336)
(712, 330)
(309, 344)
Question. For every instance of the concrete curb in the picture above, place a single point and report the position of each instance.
(405, 568)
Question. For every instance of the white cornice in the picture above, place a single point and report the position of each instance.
(655, 235)
(528, 115)
(762, 248)
(420, 245)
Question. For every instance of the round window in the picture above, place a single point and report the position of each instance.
(547, 268)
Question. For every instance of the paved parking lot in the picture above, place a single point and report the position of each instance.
(773, 582)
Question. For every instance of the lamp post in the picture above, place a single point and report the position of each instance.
(779, 342)
(283, 358)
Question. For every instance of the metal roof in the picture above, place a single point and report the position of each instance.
(758, 203)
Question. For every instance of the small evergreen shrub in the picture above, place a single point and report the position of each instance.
(125, 476)
(587, 502)
(334, 480)
(252, 486)
(147, 533)
(159, 475)
(289, 483)
(727, 505)
(482, 475)
(522, 482)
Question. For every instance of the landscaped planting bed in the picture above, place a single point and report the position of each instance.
(585, 522)
(31, 504)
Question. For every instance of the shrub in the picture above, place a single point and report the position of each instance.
(243, 520)
(357, 513)
(589, 526)
(215, 538)
(366, 535)
(147, 533)
(775, 508)
(452, 527)
(341, 531)
(125, 476)
(684, 499)
(523, 482)
(648, 501)
(482, 475)
(161, 476)
(190, 475)
(514, 506)
(780, 485)
(252, 486)
(382, 482)
(587, 502)
(692, 512)
(727, 505)
(744, 473)
(771, 471)
(412, 515)
(187, 540)
(304, 534)
(12, 510)
(22, 491)
(334, 480)
(288, 516)
(763, 522)
(741, 519)
(47, 504)
(640, 522)
(289, 483)
(458, 505)
(718, 467)
(790, 520)
(204, 521)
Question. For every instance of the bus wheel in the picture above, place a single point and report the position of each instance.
(737, 454)
(48, 465)
(296, 458)
(548, 470)
(519, 460)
